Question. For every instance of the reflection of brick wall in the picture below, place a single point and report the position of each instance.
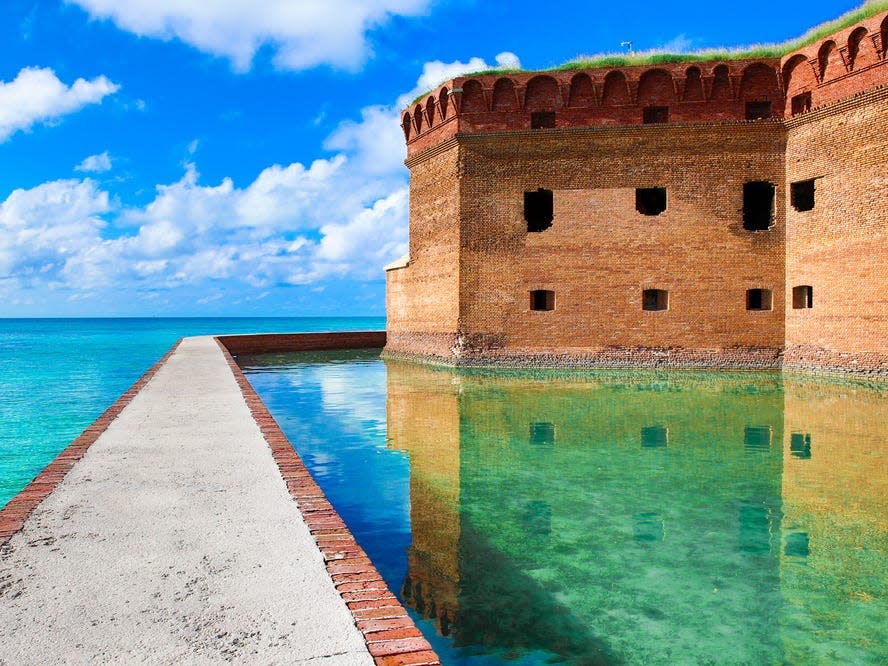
(423, 421)
(465, 295)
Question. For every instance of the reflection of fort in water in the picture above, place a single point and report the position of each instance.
(646, 517)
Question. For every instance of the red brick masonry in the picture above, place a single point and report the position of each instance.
(19, 508)
(391, 635)
(269, 343)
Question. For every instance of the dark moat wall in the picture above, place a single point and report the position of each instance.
(805, 289)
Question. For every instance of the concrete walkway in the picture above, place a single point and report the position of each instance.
(174, 540)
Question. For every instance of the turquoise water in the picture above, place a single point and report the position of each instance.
(58, 375)
(606, 517)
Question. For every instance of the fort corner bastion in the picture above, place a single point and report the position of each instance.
(707, 214)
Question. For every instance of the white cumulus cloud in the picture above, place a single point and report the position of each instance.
(301, 33)
(95, 163)
(36, 95)
(42, 228)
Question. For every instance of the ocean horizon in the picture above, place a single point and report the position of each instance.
(57, 375)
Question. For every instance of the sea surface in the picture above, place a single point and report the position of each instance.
(58, 375)
(606, 517)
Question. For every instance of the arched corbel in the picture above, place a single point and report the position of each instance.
(736, 83)
(708, 83)
(815, 65)
(455, 99)
(632, 89)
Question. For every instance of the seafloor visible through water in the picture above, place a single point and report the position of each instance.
(606, 517)
(58, 375)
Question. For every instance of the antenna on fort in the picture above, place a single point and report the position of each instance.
(627, 44)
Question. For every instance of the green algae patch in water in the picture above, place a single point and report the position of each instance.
(608, 517)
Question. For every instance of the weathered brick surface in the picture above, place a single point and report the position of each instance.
(471, 165)
(838, 247)
(266, 343)
(424, 297)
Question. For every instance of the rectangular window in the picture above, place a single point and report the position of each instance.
(802, 297)
(655, 299)
(654, 437)
(758, 299)
(758, 205)
(542, 120)
(542, 300)
(650, 200)
(652, 115)
(542, 433)
(757, 438)
(538, 210)
(758, 110)
(800, 445)
(801, 195)
(801, 103)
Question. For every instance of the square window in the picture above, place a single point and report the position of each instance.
(650, 200)
(802, 297)
(542, 120)
(758, 299)
(655, 114)
(654, 299)
(542, 433)
(758, 110)
(801, 103)
(542, 300)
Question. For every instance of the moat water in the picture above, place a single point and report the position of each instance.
(606, 517)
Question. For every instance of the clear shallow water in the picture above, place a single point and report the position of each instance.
(606, 518)
(58, 375)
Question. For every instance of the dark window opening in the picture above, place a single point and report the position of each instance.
(542, 299)
(648, 527)
(654, 437)
(797, 545)
(757, 438)
(655, 114)
(655, 299)
(801, 195)
(537, 519)
(758, 205)
(801, 103)
(758, 110)
(650, 200)
(542, 119)
(755, 529)
(542, 434)
(800, 445)
(758, 299)
(538, 210)
(802, 297)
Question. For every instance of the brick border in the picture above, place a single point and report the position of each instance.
(16, 513)
(391, 636)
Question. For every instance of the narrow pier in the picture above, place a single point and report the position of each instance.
(175, 539)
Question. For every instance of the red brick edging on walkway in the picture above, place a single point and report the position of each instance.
(14, 515)
(391, 636)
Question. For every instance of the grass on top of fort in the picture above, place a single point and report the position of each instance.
(656, 57)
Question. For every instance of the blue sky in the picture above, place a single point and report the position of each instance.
(243, 157)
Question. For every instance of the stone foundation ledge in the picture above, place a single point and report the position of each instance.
(743, 358)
